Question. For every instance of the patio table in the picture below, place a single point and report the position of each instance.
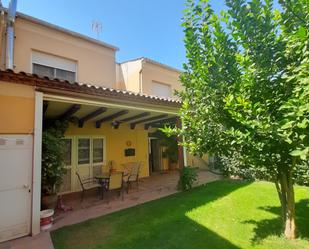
(103, 180)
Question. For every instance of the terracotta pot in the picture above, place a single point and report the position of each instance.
(49, 201)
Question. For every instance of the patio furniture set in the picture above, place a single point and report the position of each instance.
(111, 180)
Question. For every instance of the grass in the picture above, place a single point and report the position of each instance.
(222, 214)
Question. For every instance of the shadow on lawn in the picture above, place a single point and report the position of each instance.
(269, 227)
(157, 224)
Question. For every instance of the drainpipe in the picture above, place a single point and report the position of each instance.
(2, 28)
(9, 60)
(141, 76)
(140, 80)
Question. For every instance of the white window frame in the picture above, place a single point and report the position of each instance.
(91, 164)
(104, 150)
(74, 160)
(53, 61)
(77, 151)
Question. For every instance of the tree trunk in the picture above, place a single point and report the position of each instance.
(285, 189)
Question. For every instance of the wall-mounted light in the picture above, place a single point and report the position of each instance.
(115, 124)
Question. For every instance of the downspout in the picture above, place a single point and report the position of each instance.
(2, 28)
(141, 77)
(140, 80)
(9, 60)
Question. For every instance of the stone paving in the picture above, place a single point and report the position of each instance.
(151, 188)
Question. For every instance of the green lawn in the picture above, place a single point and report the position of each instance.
(221, 214)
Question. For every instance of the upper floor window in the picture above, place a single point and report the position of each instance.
(161, 90)
(53, 66)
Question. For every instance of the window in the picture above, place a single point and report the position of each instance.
(97, 150)
(53, 72)
(68, 152)
(83, 151)
(53, 66)
(161, 90)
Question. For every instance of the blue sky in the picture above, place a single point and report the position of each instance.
(150, 28)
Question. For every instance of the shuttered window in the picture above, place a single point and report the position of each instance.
(53, 66)
(161, 90)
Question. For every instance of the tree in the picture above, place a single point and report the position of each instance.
(246, 89)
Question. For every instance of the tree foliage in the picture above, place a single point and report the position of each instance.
(247, 88)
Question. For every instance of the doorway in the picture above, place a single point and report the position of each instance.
(155, 163)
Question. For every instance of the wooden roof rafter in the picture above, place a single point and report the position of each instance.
(110, 117)
(132, 125)
(91, 115)
(69, 112)
(45, 106)
(160, 122)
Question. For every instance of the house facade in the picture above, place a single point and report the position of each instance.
(50, 73)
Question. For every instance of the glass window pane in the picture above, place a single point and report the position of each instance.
(84, 151)
(67, 151)
(97, 150)
(65, 75)
(43, 70)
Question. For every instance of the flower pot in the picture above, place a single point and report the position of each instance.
(46, 219)
(49, 201)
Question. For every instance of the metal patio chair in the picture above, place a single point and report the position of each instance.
(115, 183)
(88, 184)
(133, 175)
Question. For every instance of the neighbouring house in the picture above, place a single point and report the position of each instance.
(48, 72)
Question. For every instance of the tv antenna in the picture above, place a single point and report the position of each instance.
(97, 27)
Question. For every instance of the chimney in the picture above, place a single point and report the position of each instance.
(10, 22)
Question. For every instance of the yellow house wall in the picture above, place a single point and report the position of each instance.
(195, 161)
(116, 142)
(128, 76)
(95, 63)
(16, 109)
(138, 76)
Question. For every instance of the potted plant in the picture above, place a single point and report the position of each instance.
(170, 151)
(52, 162)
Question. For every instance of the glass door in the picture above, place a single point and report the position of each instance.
(83, 158)
(66, 185)
(97, 155)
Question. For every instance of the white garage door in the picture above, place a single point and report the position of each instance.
(15, 185)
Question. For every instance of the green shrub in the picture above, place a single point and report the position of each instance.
(233, 166)
(53, 157)
(188, 176)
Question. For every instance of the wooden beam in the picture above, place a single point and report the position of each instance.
(110, 117)
(132, 125)
(91, 115)
(45, 106)
(69, 112)
(141, 115)
(160, 122)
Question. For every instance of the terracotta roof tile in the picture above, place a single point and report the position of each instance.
(77, 87)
